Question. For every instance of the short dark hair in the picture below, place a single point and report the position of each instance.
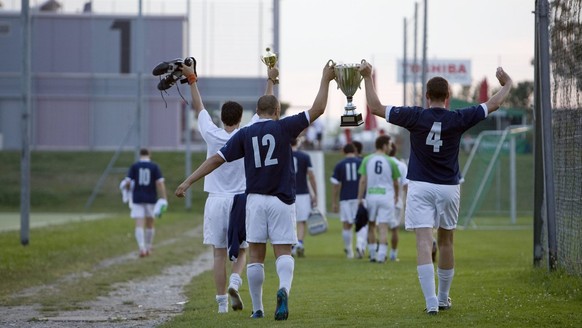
(267, 104)
(358, 145)
(144, 152)
(393, 150)
(231, 113)
(349, 148)
(437, 89)
(381, 141)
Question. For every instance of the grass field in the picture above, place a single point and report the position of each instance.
(495, 283)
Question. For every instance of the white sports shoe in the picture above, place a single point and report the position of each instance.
(349, 253)
(447, 305)
(235, 299)
(222, 307)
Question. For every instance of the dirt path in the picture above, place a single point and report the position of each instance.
(140, 303)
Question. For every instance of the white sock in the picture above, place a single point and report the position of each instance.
(372, 250)
(427, 284)
(256, 277)
(393, 253)
(140, 238)
(235, 281)
(382, 251)
(285, 265)
(445, 280)
(347, 236)
(222, 301)
(362, 238)
(149, 237)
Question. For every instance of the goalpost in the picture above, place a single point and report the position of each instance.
(483, 177)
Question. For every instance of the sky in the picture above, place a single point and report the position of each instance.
(228, 37)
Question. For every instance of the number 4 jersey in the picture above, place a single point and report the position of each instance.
(435, 137)
(268, 157)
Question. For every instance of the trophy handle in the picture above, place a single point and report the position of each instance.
(330, 63)
(361, 77)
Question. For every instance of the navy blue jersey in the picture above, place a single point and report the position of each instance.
(346, 173)
(435, 137)
(144, 174)
(302, 164)
(266, 148)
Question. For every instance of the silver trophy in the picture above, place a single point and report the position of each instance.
(348, 79)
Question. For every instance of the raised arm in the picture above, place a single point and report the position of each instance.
(209, 165)
(311, 177)
(272, 73)
(320, 101)
(497, 99)
(371, 96)
(190, 73)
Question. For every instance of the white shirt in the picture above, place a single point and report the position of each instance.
(229, 178)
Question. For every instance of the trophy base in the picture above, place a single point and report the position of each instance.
(351, 120)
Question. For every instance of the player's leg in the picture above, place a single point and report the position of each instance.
(348, 209)
(256, 276)
(446, 267)
(216, 211)
(138, 214)
(425, 268)
(150, 232)
(302, 210)
(382, 242)
(282, 235)
(448, 206)
(420, 216)
(394, 244)
(257, 210)
(220, 279)
(235, 280)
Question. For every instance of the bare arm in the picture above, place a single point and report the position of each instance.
(362, 188)
(320, 101)
(311, 177)
(497, 99)
(161, 188)
(273, 73)
(371, 96)
(396, 190)
(334, 198)
(197, 104)
(209, 165)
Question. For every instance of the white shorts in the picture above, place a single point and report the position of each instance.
(216, 215)
(142, 211)
(268, 218)
(381, 210)
(430, 205)
(348, 210)
(302, 207)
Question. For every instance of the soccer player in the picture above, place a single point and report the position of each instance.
(399, 207)
(379, 184)
(266, 149)
(345, 180)
(433, 173)
(304, 200)
(362, 234)
(221, 186)
(148, 185)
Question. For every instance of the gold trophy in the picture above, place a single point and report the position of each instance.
(348, 78)
(270, 59)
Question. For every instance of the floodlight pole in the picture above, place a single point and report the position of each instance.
(25, 125)
(424, 64)
(404, 67)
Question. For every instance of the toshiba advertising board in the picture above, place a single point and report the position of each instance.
(454, 70)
